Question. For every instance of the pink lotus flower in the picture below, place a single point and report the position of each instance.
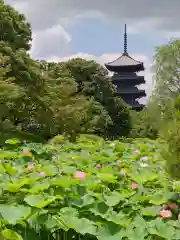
(26, 153)
(166, 214)
(98, 166)
(80, 175)
(134, 186)
(42, 174)
(30, 165)
(172, 205)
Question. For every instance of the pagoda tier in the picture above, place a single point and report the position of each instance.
(125, 78)
(135, 105)
(131, 91)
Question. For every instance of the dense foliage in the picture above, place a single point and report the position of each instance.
(15, 30)
(89, 190)
(41, 99)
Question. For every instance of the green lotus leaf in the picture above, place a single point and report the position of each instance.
(107, 177)
(110, 231)
(39, 187)
(136, 233)
(13, 214)
(160, 197)
(64, 181)
(82, 226)
(151, 211)
(38, 201)
(176, 185)
(100, 209)
(119, 218)
(69, 211)
(13, 187)
(9, 234)
(161, 229)
(113, 199)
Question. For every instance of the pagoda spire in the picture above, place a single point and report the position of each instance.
(125, 41)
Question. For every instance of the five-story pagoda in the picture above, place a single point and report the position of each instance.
(125, 78)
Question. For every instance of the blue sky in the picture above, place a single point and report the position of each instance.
(97, 37)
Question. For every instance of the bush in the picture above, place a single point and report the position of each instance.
(171, 151)
(143, 125)
(171, 134)
(94, 190)
(89, 138)
(59, 139)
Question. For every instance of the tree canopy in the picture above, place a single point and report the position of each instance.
(46, 98)
(167, 70)
(15, 30)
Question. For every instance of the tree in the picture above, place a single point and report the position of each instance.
(167, 71)
(167, 87)
(25, 73)
(74, 112)
(15, 30)
(144, 125)
(93, 80)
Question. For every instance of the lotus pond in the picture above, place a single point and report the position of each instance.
(90, 190)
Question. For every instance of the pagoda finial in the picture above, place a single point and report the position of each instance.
(125, 40)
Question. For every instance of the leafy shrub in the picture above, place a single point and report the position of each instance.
(89, 137)
(171, 151)
(59, 139)
(144, 125)
(171, 134)
(95, 190)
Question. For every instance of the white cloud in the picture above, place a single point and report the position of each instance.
(51, 41)
(51, 20)
(45, 13)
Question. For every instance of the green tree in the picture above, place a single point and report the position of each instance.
(167, 71)
(26, 74)
(143, 124)
(74, 112)
(93, 81)
(14, 28)
(166, 99)
(9, 94)
(159, 112)
(171, 135)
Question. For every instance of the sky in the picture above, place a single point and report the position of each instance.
(93, 29)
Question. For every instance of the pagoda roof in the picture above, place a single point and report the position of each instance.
(124, 61)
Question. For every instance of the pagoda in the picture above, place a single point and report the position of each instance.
(125, 78)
